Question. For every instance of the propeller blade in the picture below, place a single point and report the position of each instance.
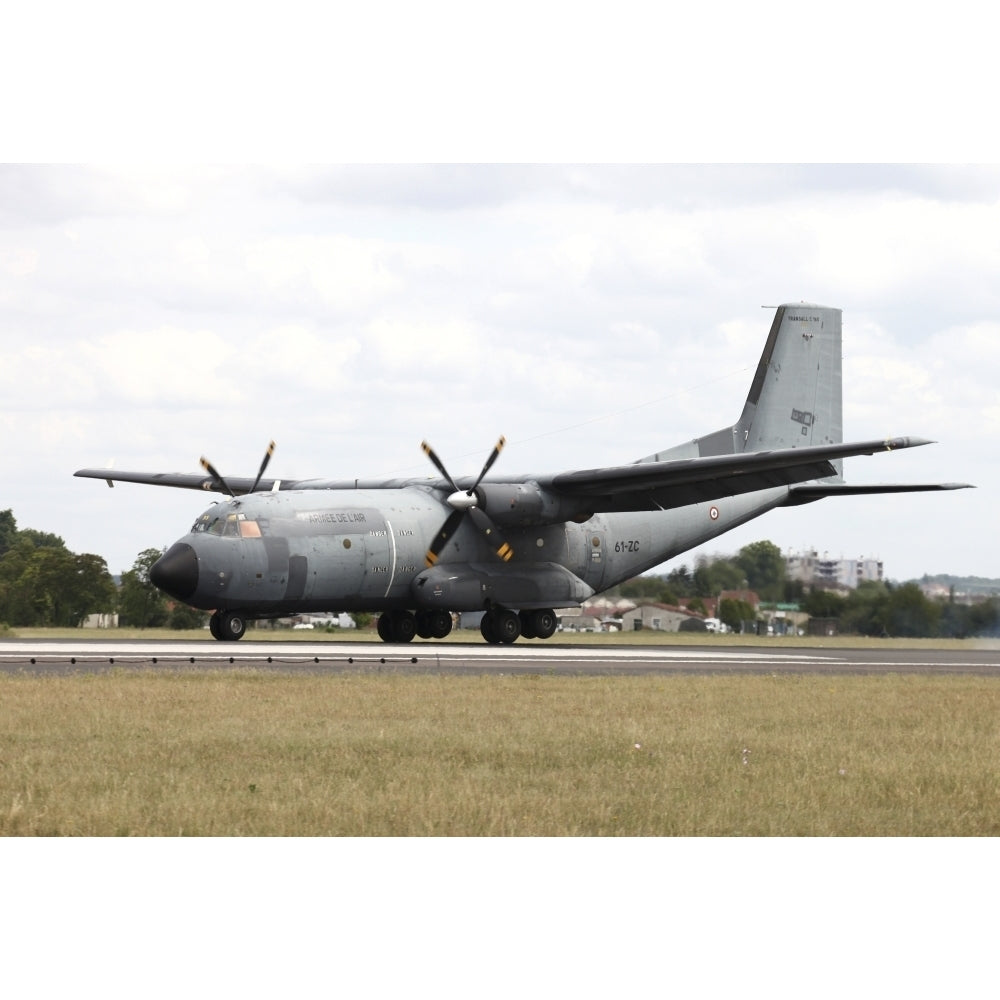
(494, 455)
(263, 466)
(466, 502)
(212, 471)
(432, 455)
(496, 541)
(449, 528)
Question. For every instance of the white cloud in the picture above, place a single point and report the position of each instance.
(164, 367)
(297, 359)
(19, 261)
(349, 312)
(426, 348)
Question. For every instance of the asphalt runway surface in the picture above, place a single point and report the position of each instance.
(59, 658)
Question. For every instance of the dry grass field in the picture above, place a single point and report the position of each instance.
(262, 633)
(236, 753)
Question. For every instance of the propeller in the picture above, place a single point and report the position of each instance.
(263, 466)
(466, 502)
(215, 474)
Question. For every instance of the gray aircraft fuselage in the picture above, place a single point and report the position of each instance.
(272, 554)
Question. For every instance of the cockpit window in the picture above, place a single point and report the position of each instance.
(227, 525)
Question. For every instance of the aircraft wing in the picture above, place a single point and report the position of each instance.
(185, 480)
(663, 485)
(640, 486)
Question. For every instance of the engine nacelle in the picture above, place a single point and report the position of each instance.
(521, 504)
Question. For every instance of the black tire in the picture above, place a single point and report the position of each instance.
(544, 623)
(384, 626)
(425, 624)
(440, 623)
(396, 626)
(507, 625)
(488, 628)
(232, 626)
(527, 625)
(213, 626)
(404, 628)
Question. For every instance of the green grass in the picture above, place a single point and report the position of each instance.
(251, 753)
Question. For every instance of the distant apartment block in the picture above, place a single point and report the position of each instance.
(815, 570)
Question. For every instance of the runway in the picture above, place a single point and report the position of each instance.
(100, 655)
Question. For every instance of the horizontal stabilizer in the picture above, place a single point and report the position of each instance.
(818, 491)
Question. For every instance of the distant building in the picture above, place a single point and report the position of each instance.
(815, 570)
(656, 617)
(104, 620)
(747, 596)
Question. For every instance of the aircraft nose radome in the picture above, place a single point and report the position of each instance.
(176, 571)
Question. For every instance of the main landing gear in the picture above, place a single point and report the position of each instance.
(499, 625)
(402, 626)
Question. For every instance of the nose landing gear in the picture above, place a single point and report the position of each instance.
(227, 626)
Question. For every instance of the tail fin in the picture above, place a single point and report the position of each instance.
(796, 397)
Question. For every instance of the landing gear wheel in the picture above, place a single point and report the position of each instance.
(488, 628)
(433, 624)
(396, 626)
(507, 625)
(423, 619)
(384, 626)
(227, 625)
(404, 628)
(527, 625)
(440, 624)
(543, 623)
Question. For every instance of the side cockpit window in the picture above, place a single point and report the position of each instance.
(204, 522)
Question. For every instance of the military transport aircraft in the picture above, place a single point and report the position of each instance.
(516, 547)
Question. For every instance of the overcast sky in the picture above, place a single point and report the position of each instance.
(593, 314)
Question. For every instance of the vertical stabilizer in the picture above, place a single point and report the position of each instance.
(796, 397)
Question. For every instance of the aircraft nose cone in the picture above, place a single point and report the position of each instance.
(176, 571)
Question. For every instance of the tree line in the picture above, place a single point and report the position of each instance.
(888, 609)
(43, 583)
(871, 609)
